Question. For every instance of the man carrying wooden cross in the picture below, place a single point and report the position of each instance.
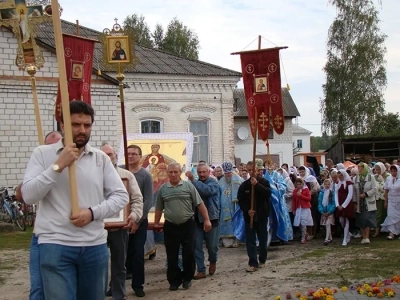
(73, 250)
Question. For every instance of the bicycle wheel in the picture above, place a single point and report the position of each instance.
(18, 219)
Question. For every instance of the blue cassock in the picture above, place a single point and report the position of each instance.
(228, 205)
(279, 220)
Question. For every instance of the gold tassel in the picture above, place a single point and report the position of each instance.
(99, 72)
(288, 87)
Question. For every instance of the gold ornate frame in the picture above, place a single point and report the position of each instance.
(122, 219)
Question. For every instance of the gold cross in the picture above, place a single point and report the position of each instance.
(278, 121)
(263, 121)
(22, 19)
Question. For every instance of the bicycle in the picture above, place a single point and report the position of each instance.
(12, 208)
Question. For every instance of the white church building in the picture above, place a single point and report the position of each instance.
(164, 93)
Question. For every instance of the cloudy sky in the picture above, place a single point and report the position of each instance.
(225, 26)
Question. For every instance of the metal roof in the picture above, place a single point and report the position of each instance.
(151, 60)
(240, 110)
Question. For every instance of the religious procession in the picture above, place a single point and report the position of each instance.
(142, 163)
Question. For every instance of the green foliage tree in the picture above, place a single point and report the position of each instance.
(355, 71)
(181, 41)
(141, 29)
(158, 36)
(387, 124)
(178, 39)
(321, 142)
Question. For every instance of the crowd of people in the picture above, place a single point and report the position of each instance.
(220, 206)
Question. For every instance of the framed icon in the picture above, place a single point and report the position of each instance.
(261, 84)
(77, 70)
(118, 49)
(7, 3)
(119, 220)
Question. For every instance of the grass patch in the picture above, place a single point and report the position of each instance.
(380, 259)
(16, 240)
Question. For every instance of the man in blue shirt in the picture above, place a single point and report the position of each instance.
(210, 193)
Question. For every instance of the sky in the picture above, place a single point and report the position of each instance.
(226, 26)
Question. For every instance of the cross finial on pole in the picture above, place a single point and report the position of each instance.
(116, 20)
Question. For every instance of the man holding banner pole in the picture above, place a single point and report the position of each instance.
(73, 250)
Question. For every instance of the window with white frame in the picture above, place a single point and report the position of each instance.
(200, 130)
(150, 126)
(299, 144)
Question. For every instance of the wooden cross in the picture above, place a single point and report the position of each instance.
(22, 18)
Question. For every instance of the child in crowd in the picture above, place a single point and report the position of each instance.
(326, 206)
(344, 204)
(301, 207)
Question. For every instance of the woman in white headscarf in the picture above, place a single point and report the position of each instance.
(380, 178)
(392, 202)
(343, 201)
(314, 187)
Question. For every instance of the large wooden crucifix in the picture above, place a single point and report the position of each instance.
(22, 19)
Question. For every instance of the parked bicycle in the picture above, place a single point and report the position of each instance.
(11, 207)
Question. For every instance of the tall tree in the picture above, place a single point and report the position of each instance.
(158, 36)
(141, 29)
(181, 41)
(386, 125)
(355, 69)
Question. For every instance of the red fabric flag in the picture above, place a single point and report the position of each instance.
(78, 54)
(262, 89)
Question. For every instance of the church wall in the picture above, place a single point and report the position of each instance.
(173, 99)
(281, 145)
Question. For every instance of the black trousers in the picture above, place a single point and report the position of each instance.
(174, 236)
(135, 255)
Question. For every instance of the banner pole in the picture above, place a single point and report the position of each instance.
(62, 73)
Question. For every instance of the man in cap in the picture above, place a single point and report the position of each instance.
(229, 184)
(260, 212)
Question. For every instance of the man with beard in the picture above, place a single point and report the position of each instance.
(229, 187)
(259, 212)
(209, 191)
(118, 238)
(73, 249)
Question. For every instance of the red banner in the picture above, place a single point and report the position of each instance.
(78, 54)
(262, 89)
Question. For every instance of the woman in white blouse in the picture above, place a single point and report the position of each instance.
(392, 202)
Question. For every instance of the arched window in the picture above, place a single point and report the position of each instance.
(150, 126)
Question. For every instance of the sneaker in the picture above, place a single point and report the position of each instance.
(326, 242)
(309, 237)
(251, 269)
(363, 241)
(199, 275)
(344, 243)
(139, 292)
(367, 241)
(186, 285)
(357, 236)
(390, 236)
(303, 241)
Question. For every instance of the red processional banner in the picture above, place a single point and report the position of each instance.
(78, 54)
(262, 89)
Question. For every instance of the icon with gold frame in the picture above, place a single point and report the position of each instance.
(7, 3)
(118, 49)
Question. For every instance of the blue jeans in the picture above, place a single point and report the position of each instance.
(36, 291)
(259, 231)
(212, 241)
(74, 273)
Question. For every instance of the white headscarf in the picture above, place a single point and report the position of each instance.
(340, 166)
(325, 199)
(382, 167)
(293, 170)
(284, 173)
(346, 177)
(308, 177)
